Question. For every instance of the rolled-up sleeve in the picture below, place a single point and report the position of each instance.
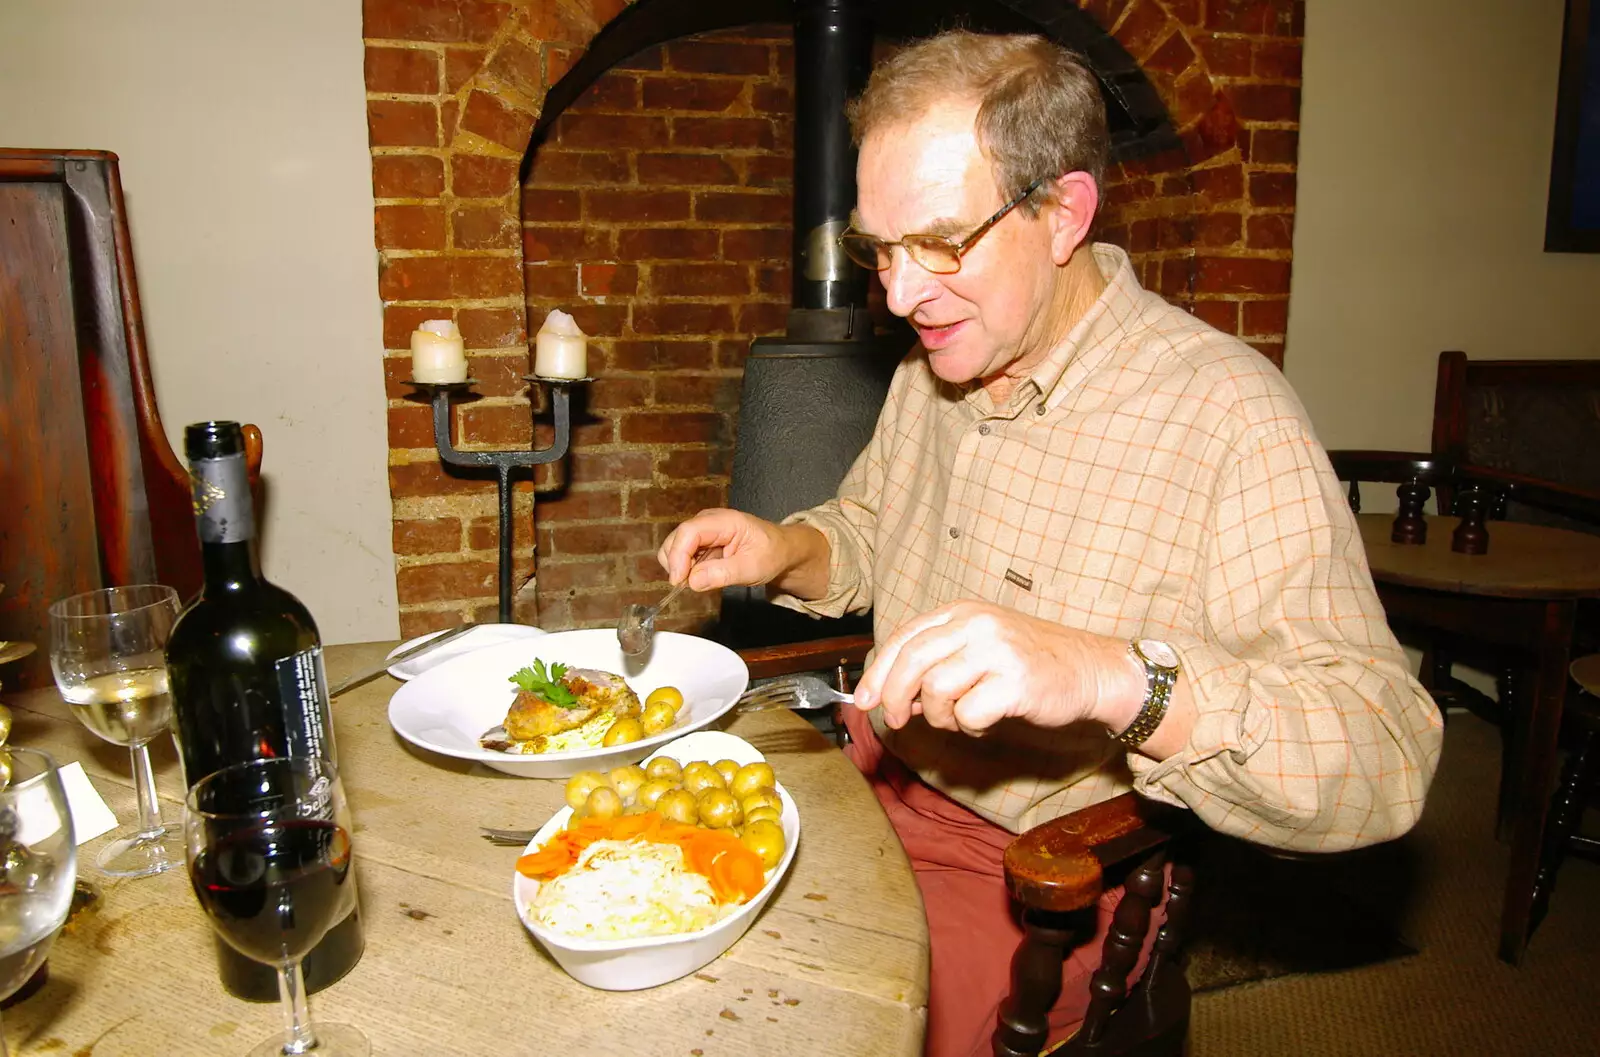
(1311, 732)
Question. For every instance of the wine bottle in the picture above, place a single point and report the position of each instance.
(244, 663)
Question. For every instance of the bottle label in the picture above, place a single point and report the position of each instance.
(303, 689)
(223, 510)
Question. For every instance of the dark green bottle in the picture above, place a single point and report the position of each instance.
(245, 666)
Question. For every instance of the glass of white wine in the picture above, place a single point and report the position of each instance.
(40, 861)
(107, 649)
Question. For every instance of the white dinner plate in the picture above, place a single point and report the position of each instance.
(447, 708)
(476, 639)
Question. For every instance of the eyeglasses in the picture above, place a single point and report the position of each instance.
(935, 253)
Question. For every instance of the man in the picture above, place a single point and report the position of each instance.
(1083, 513)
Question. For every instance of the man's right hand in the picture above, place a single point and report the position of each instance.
(742, 549)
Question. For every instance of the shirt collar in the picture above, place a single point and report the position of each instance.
(1092, 338)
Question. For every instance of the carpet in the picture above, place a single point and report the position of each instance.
(1259, 915)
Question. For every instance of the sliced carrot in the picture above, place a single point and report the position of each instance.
(548, 861)
(734, 871)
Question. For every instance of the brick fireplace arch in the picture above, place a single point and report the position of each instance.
(674, 265)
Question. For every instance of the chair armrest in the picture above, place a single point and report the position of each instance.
(1577, 503)
(844, 651)
(1060, 865)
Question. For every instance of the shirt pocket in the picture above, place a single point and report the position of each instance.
(1082, 602)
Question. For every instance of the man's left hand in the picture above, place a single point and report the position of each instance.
(967, 665)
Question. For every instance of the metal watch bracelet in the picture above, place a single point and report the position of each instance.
(1159, 683)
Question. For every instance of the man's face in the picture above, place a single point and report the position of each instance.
(929, 177)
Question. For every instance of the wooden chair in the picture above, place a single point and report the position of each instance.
(1057, 872)
(98, 496)
(1534, 419)
(1579, 777)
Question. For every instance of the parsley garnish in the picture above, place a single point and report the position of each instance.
(548, 686)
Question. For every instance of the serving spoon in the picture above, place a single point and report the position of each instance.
(636, 631)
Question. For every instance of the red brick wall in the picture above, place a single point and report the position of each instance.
(658, 212)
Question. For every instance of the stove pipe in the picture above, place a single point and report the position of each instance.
(832, 56)
(810, 399)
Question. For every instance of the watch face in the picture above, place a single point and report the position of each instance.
(1159, 652)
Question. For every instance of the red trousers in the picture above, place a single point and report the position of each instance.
(972, 926)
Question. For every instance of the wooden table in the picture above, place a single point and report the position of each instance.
(837, 963)
(1522, 594)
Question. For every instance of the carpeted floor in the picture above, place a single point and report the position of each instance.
(1443, 883)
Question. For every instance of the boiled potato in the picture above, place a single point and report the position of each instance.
(766, 840)
(752, 778)
(623, 731)
(764, 798)
(679, 806)
(580, 785)
(718, 809)
(670, 696)
(700, 776)
(763, 814)
(664, 767)
(626, 781)
(726, 768)
(603, 803)
(658, 717)
(651, 791)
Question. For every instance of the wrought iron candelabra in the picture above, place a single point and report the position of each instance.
(503, 462)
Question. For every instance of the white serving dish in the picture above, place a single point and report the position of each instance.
(476, 639)
(632, 965)
(447, 708)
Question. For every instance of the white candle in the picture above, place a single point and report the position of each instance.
(438, 353)
(560, 349)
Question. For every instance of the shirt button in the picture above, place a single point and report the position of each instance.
(983, 429)
(1040, 410)
(955, 533)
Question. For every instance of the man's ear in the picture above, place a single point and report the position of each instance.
(1074, 200)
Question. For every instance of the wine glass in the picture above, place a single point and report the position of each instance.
(38, 865)
(269, 857)
(107, 652)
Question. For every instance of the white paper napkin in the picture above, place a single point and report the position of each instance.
(90, 815)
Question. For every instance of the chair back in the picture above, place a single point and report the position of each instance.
(1538, 419)
(94, 495)
(1415, 473)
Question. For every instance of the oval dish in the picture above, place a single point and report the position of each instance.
(631, 965)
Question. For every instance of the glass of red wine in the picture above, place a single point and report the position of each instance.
(270, 859)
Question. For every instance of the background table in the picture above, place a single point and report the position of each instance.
(1523, 594)
(837, 963)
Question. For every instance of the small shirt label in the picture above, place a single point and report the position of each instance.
(1012, 576)
(303, 688)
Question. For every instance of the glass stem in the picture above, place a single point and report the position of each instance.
(297, 1034)
(144, 781)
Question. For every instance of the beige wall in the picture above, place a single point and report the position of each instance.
(242, 133)
(1424, 166)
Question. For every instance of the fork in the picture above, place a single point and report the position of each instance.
(519, 837)
(797, 691)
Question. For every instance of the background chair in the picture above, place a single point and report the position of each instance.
(92, 494)
(1057, 872)
(1579, 778)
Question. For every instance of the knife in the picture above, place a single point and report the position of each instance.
(404, 655)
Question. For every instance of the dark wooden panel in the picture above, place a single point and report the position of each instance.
(48, 545)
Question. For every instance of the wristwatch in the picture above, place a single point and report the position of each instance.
(1161, 669)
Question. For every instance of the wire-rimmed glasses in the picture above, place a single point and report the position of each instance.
(107, 650)
(39, 860)
(938, 254)
(268, 844)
